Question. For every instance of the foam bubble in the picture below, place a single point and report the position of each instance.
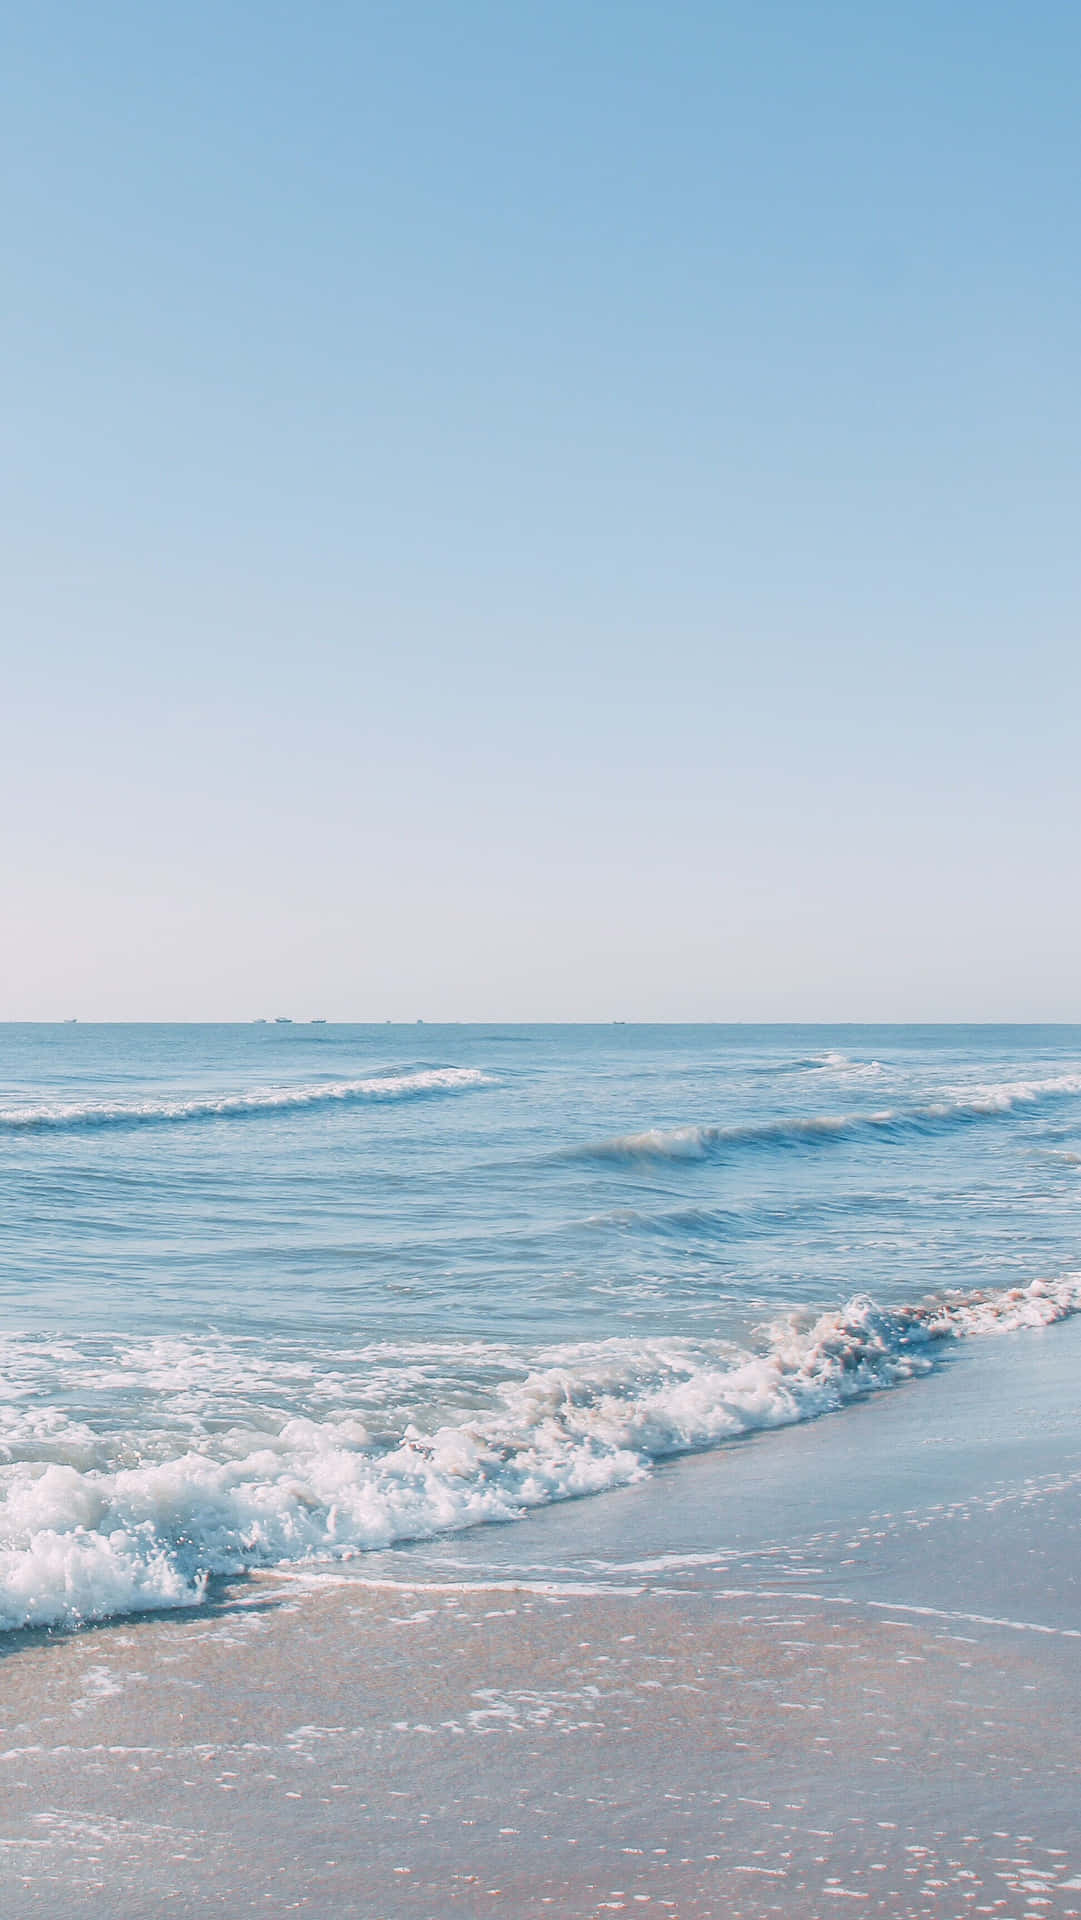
(245, 1459)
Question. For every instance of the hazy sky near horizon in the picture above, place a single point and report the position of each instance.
(520, 511)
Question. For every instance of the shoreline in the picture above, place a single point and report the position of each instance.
(832, 1665)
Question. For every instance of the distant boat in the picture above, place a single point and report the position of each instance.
(283, 1020)
(71, 1021)
(318, 1022)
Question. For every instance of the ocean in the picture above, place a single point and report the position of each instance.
(284, 1295)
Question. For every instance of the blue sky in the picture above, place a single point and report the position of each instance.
(541, 512)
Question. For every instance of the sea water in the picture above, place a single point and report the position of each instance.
(280, 1294)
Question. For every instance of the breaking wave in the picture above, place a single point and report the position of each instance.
(249, 1461)
(227, 1106)
(833, 1061)
(957, 1107)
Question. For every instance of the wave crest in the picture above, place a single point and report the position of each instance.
(84, 1535)
(958, 1107)
(228, 1106)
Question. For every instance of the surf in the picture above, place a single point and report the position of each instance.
(76, 1115)
(955, 1108)
(249, 1465)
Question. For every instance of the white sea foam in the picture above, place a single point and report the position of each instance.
(234, 1458)
(714, 1142)
(839, 1063)
(956, 1106)
(1002, 1096)
(256, 1100)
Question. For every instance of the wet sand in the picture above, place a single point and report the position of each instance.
(840, 1668)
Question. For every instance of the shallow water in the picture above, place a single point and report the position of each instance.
(281, 1292)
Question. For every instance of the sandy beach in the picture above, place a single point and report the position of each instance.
(681, 1698)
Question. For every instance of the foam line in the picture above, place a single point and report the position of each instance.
(958, 1107)
(93, 1524)
(228, 1106)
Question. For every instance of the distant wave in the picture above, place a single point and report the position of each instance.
(957, 1108)
(226, 1106)
(834, 1062)
(84, 1534)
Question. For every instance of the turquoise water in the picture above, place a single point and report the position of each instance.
(277, 1292)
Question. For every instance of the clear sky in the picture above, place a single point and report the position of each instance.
(520, 510)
